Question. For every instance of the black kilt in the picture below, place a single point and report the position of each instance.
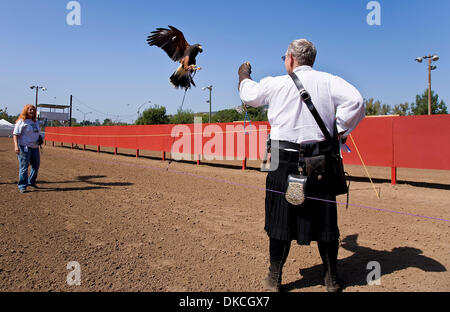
(313, 221)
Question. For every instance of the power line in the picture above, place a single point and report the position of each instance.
(102, 113)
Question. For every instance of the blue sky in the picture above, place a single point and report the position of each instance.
(106, 63)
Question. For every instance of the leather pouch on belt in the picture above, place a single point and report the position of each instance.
(316, 170)
(298, 184)
(295, 194)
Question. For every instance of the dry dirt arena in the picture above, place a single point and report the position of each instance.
(134, 226)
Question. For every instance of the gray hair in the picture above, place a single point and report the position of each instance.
(303, 51)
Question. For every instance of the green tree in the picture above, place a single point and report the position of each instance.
(4, 113)
(385, 109)
(107, 122)
(84, 123)
(257, 113)
(204, 116)
(182, 117)
(155, 115)
(226, 115)
(10, 118)
(401, 109)
(376, 107)
(420, 107)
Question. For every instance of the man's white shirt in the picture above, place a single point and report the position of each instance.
(290, 118)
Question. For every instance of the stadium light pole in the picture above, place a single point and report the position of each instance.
(210, 90)
(431, 58)
(37, 91)
(84, 114)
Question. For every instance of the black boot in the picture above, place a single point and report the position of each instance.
(328, 252)
(273, 280)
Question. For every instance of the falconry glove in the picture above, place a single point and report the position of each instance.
(244, 72)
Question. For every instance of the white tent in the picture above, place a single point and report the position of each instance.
(6, 128)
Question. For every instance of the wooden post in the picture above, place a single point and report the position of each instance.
(53, 143)
(115, 150)
(137, 152)
(244, 163)
(84, 147)
(98, 148)
(61, 144)
(163, 156)
(71, 145)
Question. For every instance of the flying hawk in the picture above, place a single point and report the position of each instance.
(172, 41)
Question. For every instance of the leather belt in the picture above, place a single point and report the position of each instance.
(290, 146)
(284, 145)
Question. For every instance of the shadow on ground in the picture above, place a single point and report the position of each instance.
(169, 160)
(352, 270)
(439, 186)
(93, 185)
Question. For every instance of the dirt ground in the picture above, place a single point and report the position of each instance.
(134, 226)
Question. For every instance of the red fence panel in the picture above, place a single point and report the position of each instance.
(220, 140)
(389, 141)
(373, 139)
(422, 142)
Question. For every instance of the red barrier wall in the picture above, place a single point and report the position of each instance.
(373, 138)
(400, 141)
(422, 142)
(219, 140)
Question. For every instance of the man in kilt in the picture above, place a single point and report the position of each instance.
(296, 135)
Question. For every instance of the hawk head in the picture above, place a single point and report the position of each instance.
(198, 48)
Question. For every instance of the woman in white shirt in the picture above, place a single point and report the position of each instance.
(26, 135)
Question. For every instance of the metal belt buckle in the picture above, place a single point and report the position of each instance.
(295, 194)
(305, 95)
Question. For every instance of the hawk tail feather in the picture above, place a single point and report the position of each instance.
(182, 79)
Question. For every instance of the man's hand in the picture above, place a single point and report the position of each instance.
(245, 69)
(341, 136)
(244, 72)
(17, 150)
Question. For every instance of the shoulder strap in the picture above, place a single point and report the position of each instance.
(307, 99)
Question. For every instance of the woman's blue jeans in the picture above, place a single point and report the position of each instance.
(26, 159)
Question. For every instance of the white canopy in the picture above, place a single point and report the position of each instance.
(4, 122)
(6, 128)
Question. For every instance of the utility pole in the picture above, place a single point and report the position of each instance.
(210, 90)
(84, 115)
(70, 116)
(37, 91)
(431, 58)
(429, 86)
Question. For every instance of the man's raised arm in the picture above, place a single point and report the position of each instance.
(250, 92)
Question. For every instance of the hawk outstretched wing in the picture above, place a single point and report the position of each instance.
(170, 40)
